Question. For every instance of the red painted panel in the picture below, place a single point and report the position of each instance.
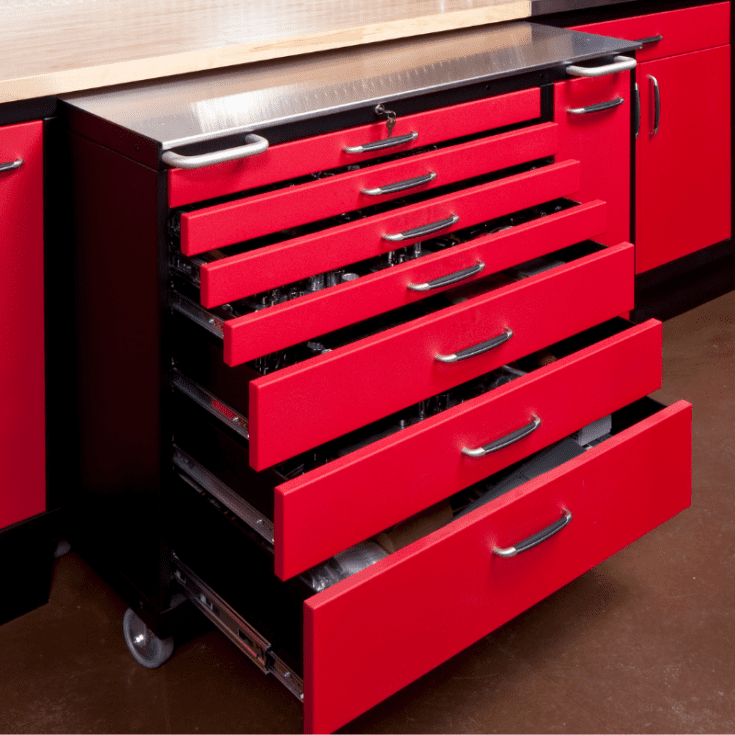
(601, 142)
(296, 321)
(224, 224)
(286, 262)
(683, 184)
(22, 409)
(689, 29)
(323, 152)
(430, 600)
(305, 405)
(425, 461)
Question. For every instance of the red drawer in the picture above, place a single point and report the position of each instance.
(275, 265)
(600, 141)
(372, 634)
(224, 224)
(324, 152)
(22, 407)
(426, 463)
(287, 324)
(690, 29)
(310, 403)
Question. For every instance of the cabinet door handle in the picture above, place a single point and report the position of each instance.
(537, 538)
(11, 165)
(657, 102)
(449, 279)
(478, 349)
(400, 185)
(648, 41)
(379, 145)
(637, 123)
(255, 144)
(429, 229)
(599, 107)
(504, 441)
(622, 63)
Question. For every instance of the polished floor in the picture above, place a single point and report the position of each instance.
(643, 643)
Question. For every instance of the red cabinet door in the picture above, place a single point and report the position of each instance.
(22, 411)
(683, 169)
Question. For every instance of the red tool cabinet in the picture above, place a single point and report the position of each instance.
(298, 352)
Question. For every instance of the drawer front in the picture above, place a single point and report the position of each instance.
(22, 407)
(601, 142)
(402, 474)
(369, 636)
(690, 29)
(287, 324)
(224, 224)
(324, 152)
(305, 405)
(276, 265)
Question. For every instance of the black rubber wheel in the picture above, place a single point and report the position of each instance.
(147, 649)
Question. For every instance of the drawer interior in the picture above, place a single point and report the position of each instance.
(223, 553)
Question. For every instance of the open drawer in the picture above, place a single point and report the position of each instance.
(440, 594)
(428, 451)
(406, 356)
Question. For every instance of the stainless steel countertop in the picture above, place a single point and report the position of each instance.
(207, 105)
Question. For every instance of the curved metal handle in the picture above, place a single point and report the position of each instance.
(622, 63)
(400, 185)
(504, 441)
(637, 110)
(649, 40)
(599, 107)
(10, 165)
(379, 145)
(449, 279)
(537, 538)
(478, 349)
(255, 144)
(423, 230)
(657, 100)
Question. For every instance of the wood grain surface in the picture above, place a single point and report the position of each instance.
(56, 46)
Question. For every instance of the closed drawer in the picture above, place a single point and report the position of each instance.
(689, 29)
(323, 152)
(311, 402)
(393, 477)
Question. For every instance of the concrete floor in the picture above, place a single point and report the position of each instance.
(643, 643)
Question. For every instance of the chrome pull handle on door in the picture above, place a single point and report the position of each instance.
(255, 144)
(637, 122)
(379, 145)
(536, 539)
(429, 229)
(622, 63)
(400, 185)
(449, 279)
(648, 41)
(479, 349)
(11, 165)
(599, 107)
(657, 104)
(504, 441)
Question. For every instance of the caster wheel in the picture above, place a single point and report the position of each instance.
(147, 649)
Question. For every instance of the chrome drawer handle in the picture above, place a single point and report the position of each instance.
(423, 230)
(400, 185)
(380, 145)
(505, 441)
(599, 107)
(11, 165)
(477, 350)
(622, 63)
(255, 144)
(649, 40)
(537, 538)
(657, 99)
(449, 279)
(637, 124)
